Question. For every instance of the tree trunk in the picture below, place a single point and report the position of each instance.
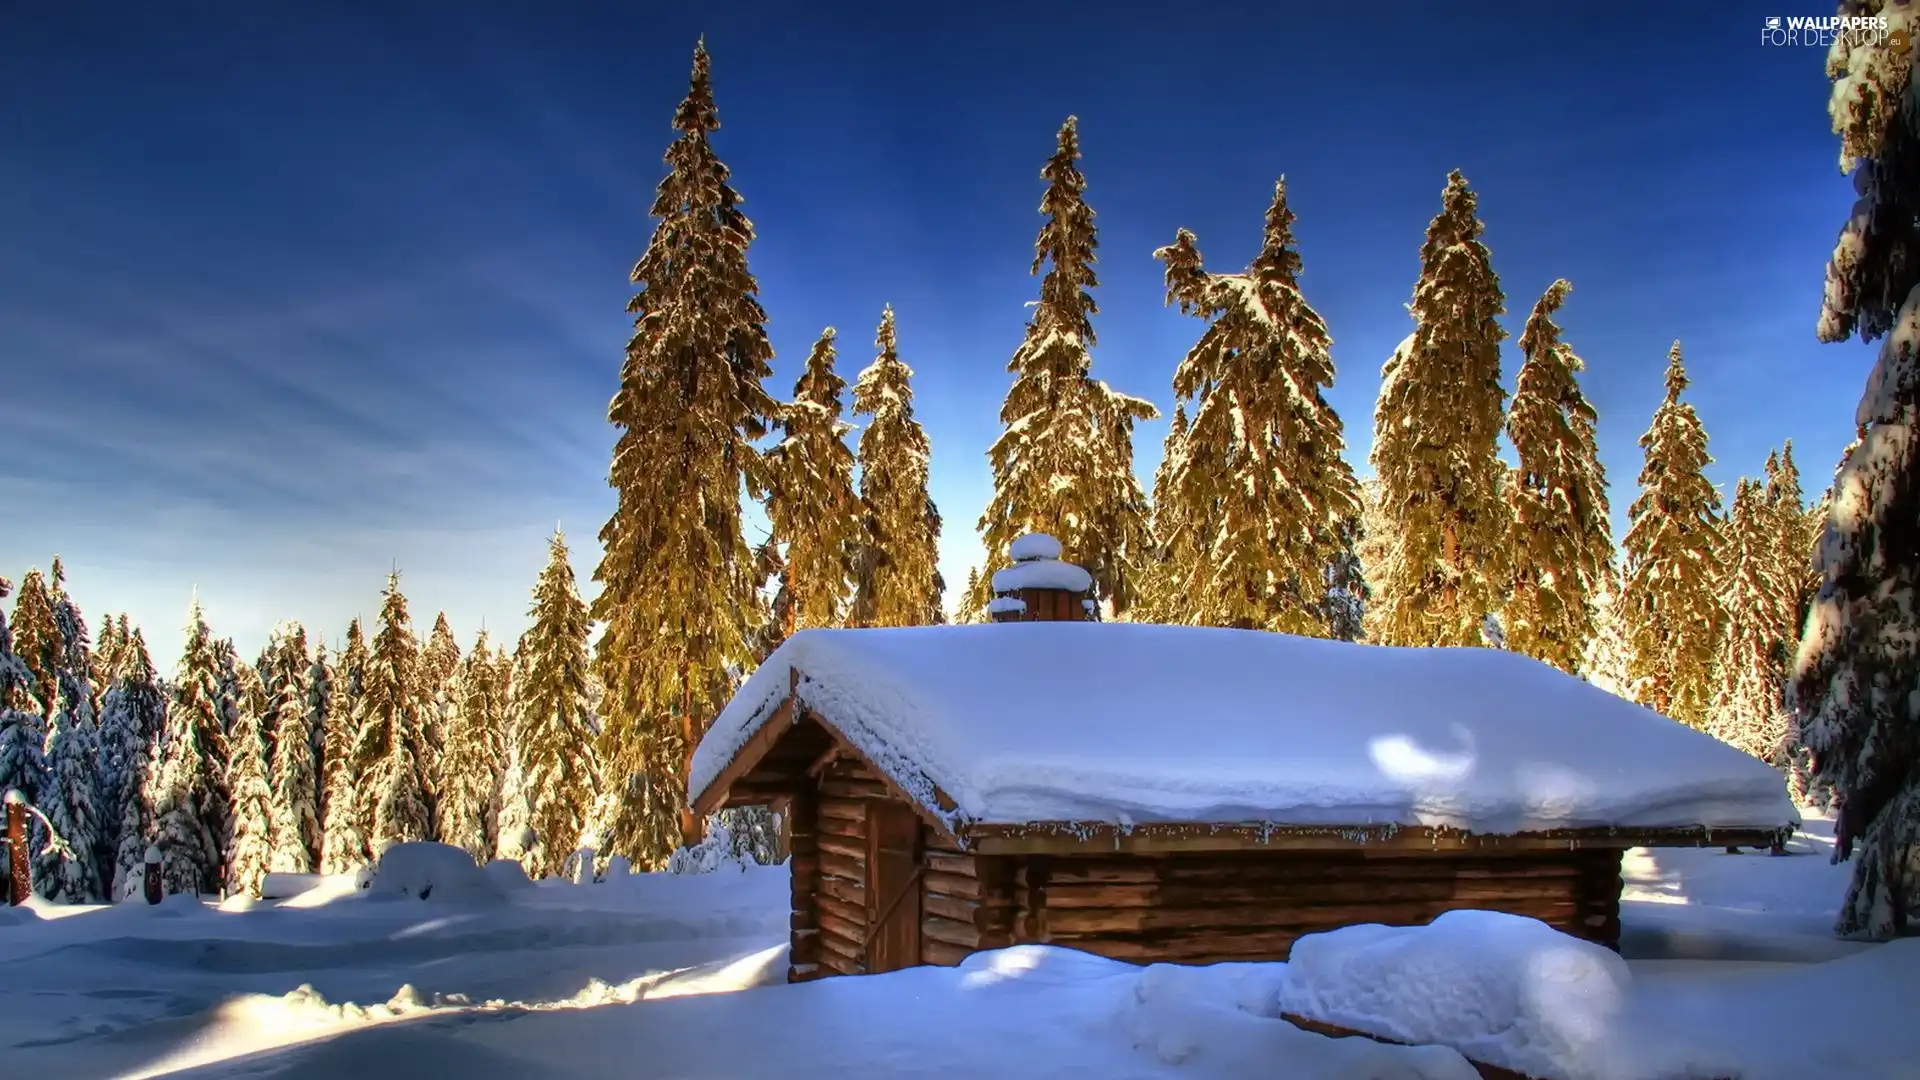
(19, 878)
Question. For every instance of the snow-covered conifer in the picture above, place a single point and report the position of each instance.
(1857, 673)
(1173, 560)
(1260, 477)
(438, 658)
(70, 799)
(387, 737)
(37, 644)
(897, 577)
(1562, 540)
(470, 771)
(1604, 661)
(1796, 533)
(1436, 428)
(133, 715)
(676, 575)
(1747, 709)
(1344, 608)
(1669, 603)
(191, 800)
(810, 498)
(76, 646)
(550, 714)
(1063, 464)
(287, 668)
(251, 848)
(345, 824)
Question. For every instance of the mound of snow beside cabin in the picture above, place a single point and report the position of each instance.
(1128, 723)
(424, 870)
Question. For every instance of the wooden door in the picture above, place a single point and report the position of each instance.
(893, 886)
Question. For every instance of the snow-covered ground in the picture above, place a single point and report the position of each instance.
(1731, 969)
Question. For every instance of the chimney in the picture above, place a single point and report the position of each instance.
(1038, 587)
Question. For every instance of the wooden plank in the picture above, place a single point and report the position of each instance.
(843, 847)
(845, 890)
(955, 933)
(1306, 893)
(803, 947)
(941, 954)
(840, 956)
(854, 914)
(944, 863)
(1291, 867)
(840, 866)
(950, 907)
(965, 888)
(799, 973)
(837, 787)
(802, 919)
(1087, 837)
(833, 927)
(893, 886)
(1094, 921)
(852, 811)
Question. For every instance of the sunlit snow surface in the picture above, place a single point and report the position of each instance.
(1114, 722)
(1730, 964)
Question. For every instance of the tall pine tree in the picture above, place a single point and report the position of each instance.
(345, 822)
(22, 763)
(1436, 428)
(132, 718)
(676, 576)
(191, 803)
(1172, 565)
(1747, 709)
(76, 647)
(287, 669)
(1857, 672)
(475, 749)
(810, 495)
(250, 852)
(438, 657)
(70, 872)
(897, 578)
(1669, 603)
(386, 750)
(36, 641)
(1562, 540)
(1261, 475)
(1064, 463)
(552, 717)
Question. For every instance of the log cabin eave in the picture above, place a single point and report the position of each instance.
(790, 751)
(1164, 838)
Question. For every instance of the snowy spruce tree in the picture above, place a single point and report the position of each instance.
(1796, 532)
(1669, 601)
(36, 642)
(345, 823)
(1748, 709)
(439, 655)
(76, 647)
(22, 762)
(70, 799)
(1260, 476)
(133, 716)
(1604, 660)
(972, 607)
(1562, 539)
(1444, 563)
(470, 771)
(250, 851)
(191, 801)
(810, 498)
(1344, 607)
(1171, 563)
(386, 749)
(551, 715)
(676, 576)
(1063, 464)
(897, 577)
(286, 668)
(1857, 672)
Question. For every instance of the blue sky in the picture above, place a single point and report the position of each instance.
(290, 294)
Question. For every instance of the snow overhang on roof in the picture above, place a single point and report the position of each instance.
(1004, 729)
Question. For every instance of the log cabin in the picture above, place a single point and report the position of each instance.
(1193, 795)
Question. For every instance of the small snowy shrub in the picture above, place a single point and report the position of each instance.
(424, 870)
(722, 848)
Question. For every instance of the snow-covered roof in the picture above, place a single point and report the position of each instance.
(1128, 723)
(1042, 574)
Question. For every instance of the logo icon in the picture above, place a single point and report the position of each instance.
(1773, 22)
(1899, 42)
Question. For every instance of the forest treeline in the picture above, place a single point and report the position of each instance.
(315, 758)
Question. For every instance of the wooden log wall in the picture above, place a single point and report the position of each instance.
(966, 904)
(841, 902)
(802, 818)
(1200, 909)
